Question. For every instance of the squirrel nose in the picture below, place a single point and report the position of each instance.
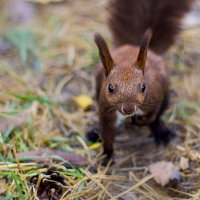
(127, 109)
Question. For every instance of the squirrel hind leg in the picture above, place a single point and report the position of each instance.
(161, 133)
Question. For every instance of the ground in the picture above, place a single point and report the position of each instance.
(47, 57)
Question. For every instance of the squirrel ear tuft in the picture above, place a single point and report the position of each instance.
(104, 53)
(141, 59)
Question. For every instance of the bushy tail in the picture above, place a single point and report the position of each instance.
(129, 19)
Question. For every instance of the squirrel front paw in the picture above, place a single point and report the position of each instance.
(108, 160)
(109, 157)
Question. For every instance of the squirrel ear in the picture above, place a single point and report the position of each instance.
(141, 59)
(104, 53)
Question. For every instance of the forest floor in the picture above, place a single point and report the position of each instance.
(47, 57)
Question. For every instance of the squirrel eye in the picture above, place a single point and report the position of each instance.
(110, 88)
(143, 88)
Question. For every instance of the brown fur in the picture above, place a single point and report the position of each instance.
(129, 19)
(130, 80)
(127, 79)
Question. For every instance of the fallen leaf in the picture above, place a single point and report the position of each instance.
(163, 172)
(46, 156)
(18, 119)
(20, 11)
(45, 1)
(83, 101)
(95, 146)
(184, 163)
(4, 46)
(3, 187)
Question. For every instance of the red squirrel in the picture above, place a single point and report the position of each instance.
(131, 80)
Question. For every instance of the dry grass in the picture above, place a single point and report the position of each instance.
(38, 111)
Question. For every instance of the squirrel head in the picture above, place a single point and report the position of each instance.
(124, 86)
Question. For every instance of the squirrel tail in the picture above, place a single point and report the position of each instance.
(129, 19)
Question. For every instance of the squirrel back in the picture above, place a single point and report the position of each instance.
(129, 19)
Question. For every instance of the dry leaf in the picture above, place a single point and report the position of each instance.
(45, 1)
(163, 172)
(18, 119)
(95, 146)
(83, 101)
(184, 163)
(3, 187)
(20, 11)
(45, 155)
